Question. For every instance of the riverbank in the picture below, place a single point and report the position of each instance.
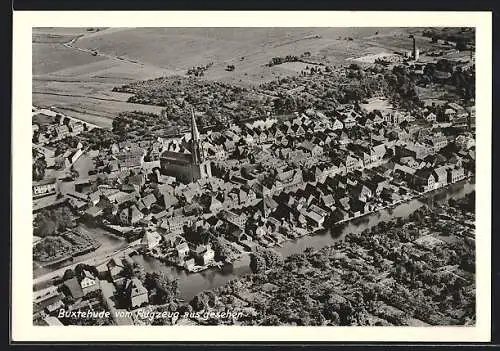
(402, 273)
(191, 284)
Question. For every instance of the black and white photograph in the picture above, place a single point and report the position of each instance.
(291, 176)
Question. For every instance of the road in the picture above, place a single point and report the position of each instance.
(94, 261)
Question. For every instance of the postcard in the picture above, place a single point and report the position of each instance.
(237, 176)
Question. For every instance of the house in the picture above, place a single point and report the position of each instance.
(359, 207)
(349, 120)
(460, 111)
(389, 194)
(378, 152)
(395, 117)
(431, 117)
(437, 142)
(189, 264)
(352, 163)
(441, 176)
(175, 224)
(115, 268)
(288, 179)
(151, 239)
(450, 114)
(424, 180)
(204, 254)
(129, 159)
(238, 220)
(54, 307)
(136, 293)
(72, 157)
(182, 250)
(77, 128)
(455, 174)
(312, 149)
(131, 215)
(361, 192)
(169, 200)
(89, 282)
(215, 205)
(44, 187)
(229, 146)
(94, 212)
(148, 200)
(328, 201)
(73, 288)
(61, 131)
(417, 151)
(45, 299)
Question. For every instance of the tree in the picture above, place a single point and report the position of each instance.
(264, 259)
(203, 301)
(39, 166)
(82, 266)
(167, 287)
(461, 44)
(68, 274)
(221, 248)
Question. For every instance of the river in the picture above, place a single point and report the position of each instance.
(109, 243)
(191, 284)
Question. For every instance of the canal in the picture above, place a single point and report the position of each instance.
(191, 284)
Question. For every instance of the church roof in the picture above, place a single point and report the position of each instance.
(177, 157)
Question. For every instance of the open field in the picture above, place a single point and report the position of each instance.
(74, 69)
(60, 56)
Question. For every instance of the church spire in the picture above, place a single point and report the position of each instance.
(195, 139)
(194, 129)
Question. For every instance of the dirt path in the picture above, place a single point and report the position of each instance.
(72, 45)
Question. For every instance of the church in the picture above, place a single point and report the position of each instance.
(188, 166)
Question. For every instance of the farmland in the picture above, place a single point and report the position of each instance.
(75, 69)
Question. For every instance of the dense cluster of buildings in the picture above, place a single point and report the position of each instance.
(265, 181)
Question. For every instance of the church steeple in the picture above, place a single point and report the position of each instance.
(195, 139)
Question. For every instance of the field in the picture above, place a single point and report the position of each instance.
(74, 69)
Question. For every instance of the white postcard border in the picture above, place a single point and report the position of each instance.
(21, 312)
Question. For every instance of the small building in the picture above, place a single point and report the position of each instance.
(136, 293)
(189, 264)
(424, 180)
(182, 250)
(115, 268)
(89, 282)
(450, 114)
(131, 215)
(73, 288)
(204, 254)
(441, 176)
(455, 174)
(150, 240)
(44, 187)
(129, 159)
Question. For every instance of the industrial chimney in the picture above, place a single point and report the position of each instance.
(414, 53)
